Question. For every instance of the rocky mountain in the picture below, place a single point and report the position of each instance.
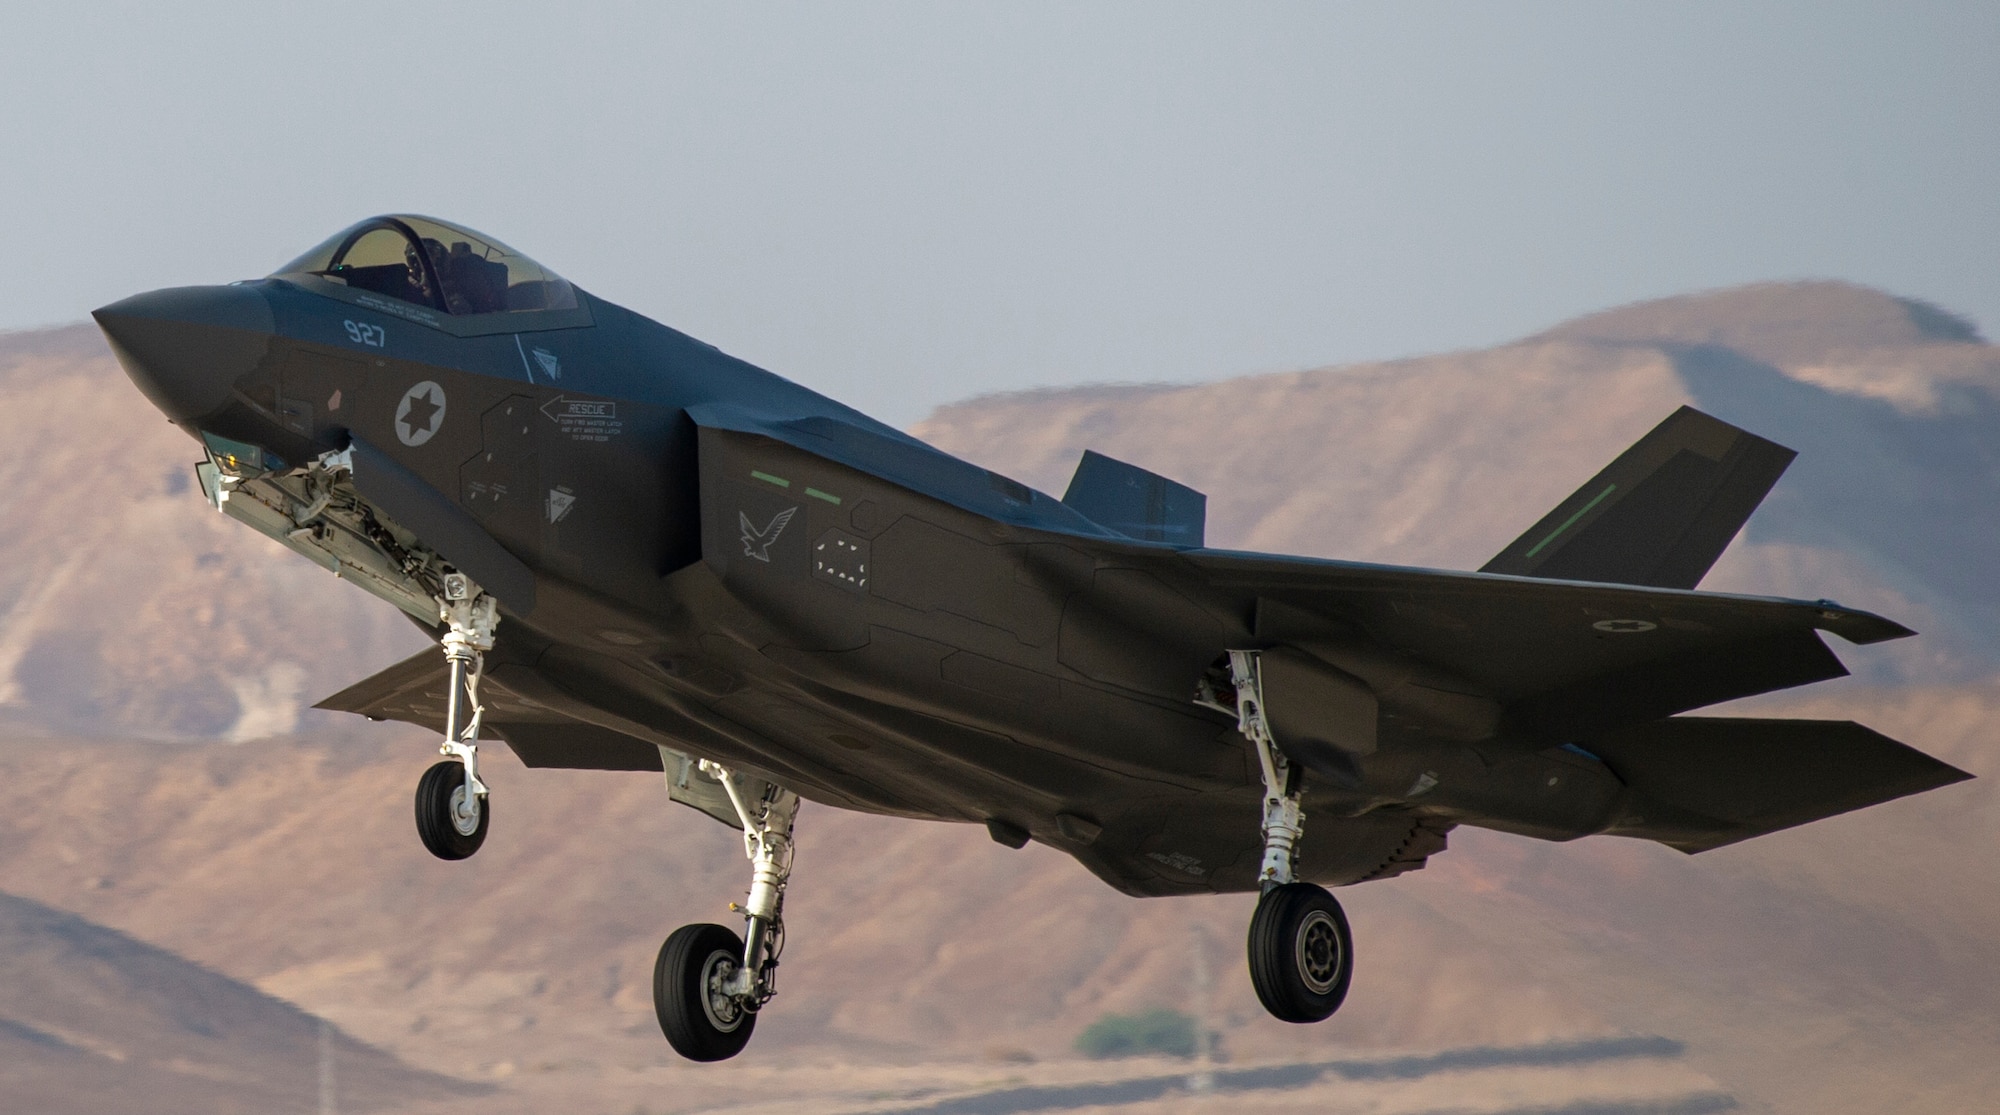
(92, 1020)
(1840, 967)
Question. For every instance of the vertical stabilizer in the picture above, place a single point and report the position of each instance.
(1659, 515)
(1136, 503)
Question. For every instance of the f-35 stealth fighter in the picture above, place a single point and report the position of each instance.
(639, 553)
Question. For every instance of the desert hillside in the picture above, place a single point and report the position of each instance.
(92, 1020)
(1840, 967)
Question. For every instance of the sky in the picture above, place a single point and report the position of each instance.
(902, 205)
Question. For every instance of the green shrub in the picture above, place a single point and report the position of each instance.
(1134, 1035)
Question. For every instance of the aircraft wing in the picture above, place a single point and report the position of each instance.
(414, 691)
(519, 711)
(1567, 657)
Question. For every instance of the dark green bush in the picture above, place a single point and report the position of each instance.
(1134, 1035)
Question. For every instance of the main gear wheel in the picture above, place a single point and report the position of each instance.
(1301, 953)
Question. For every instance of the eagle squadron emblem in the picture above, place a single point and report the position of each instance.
(757, 543)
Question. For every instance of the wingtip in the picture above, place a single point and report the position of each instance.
(1857, 627)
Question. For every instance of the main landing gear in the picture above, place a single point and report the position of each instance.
(708, 983)
(1301, 953)
(452, 806)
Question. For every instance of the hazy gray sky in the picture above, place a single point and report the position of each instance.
(905, 204)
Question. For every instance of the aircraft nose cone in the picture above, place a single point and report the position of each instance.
(186, 347)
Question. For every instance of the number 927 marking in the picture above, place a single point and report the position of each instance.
(362, 333)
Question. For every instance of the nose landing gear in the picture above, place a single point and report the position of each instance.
(708, 983)
(1301, 952)
(452, 807)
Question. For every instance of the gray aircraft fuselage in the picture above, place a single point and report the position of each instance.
(697, 557)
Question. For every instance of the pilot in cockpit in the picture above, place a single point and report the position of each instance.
(472, 284)
(421, 289)
(431, 264)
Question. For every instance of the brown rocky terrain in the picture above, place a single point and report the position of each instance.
(92, 1020)
(1840, 967)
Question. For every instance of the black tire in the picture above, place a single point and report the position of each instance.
(436, 821)
(698, 1027)
(1301, 953)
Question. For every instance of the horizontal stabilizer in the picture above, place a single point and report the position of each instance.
(1702, 782)
(1659, 515)
(1136, 503)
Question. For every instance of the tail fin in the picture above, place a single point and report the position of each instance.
(1136, 503)
(1659, 515)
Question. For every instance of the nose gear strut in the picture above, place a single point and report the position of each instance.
(452, 806)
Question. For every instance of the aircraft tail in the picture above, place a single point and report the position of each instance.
(1660, 515)
(1700, 782)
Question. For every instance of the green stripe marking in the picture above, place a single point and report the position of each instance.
(1571, 521)
(817, 494)
(769, 479)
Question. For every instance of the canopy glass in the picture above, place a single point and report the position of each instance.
(439, 266)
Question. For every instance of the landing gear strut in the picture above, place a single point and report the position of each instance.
(452, 806)
(1301, 952)
(708, 983)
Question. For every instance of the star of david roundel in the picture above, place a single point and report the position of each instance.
(420, 413)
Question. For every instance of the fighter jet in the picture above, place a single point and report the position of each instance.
(639, 553)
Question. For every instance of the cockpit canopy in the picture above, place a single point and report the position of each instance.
(440, 267)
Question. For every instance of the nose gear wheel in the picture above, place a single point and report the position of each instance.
(452, 806)
(450, 830)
